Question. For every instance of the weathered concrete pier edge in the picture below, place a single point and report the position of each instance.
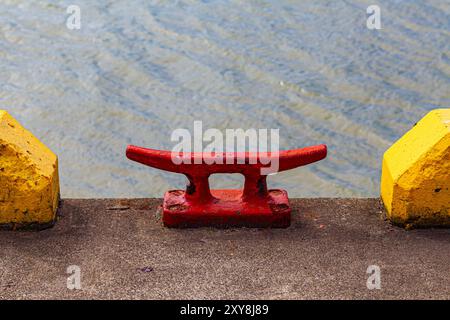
(124, 252)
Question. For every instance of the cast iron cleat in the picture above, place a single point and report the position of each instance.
(254, 206)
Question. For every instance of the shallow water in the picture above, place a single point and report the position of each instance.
(137, 70)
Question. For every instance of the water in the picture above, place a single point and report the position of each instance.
(137, 70)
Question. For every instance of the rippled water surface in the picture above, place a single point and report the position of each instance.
(137, 70)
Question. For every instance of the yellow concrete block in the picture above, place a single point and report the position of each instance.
(415, 178)
(29, 182)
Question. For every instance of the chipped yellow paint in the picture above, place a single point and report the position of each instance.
(415, 178)
(29, 180)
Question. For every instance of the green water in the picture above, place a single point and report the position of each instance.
(137, 70)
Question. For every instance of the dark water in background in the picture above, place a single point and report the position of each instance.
(137, 70)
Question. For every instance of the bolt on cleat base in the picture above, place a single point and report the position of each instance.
(254, 206)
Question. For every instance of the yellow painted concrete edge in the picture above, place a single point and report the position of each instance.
(406, 204)
(31, 200)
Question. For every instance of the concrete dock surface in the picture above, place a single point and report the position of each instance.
(124, 252)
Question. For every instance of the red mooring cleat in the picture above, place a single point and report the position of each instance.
(254, 206)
